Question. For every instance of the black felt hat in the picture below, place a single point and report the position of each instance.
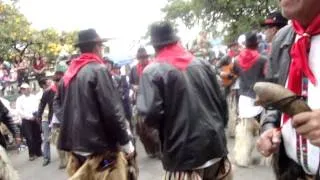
(275, 19)
(142, 53)
(88, 36)
(162, 33)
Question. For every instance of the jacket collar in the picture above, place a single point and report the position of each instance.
(289, 38)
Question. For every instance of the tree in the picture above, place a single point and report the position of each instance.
(236, 17)
(18, 38)
(50, 42)
(15, 34)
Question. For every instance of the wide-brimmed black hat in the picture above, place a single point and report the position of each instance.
(275, 19)
(162, 33)
(89, 36)
(142, 53)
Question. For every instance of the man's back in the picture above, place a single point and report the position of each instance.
(249, 77)
(91, 112)
(188, 108)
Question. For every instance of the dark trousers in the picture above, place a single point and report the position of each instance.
(22, 77)
(32, 133)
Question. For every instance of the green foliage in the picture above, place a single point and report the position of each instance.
(237, 16)
(18, 38)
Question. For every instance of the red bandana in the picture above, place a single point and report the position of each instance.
(299, 53)
(175, 55)
(140, 68)
(77, 64)
(247, 58)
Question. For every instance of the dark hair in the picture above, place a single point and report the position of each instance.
(17, 61)
(251, 40)
(88, 47)
(43, 81)
(35, 60)
(58, 76)
(158, 48)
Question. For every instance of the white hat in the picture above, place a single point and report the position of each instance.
(25, 86)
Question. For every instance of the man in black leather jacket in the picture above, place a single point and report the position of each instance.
(93, 123)
(305, 27)
(180, 96)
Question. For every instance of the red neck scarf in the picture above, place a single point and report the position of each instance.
(299, 66)
(175, 55)
(247, 58)
(300, 52)
(140, 68)
(77, 64)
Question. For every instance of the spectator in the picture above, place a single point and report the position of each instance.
(39, 66)
(27, 106)
(22, 70)
(46, 99)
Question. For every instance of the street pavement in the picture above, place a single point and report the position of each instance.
(150, 169)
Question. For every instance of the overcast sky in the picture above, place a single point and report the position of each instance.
(114, 18)
(125, 19)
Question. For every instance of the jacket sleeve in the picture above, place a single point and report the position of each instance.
(270, 119)
(237, 69)
(57, 104)
(43, 103)
(223, 108)
(111, 106)
(132, 76)
(150, 102)
(7, 120)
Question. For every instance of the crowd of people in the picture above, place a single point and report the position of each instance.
(20, 69)
(179, 104)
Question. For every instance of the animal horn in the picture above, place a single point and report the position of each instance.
(280, 98)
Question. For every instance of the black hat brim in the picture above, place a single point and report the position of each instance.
(275, 24)
(91, 41)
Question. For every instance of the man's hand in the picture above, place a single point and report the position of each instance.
(269, 142)
(308, 126)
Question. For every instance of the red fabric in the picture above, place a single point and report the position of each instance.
(299, 53)
(247, 58)
(77, 64)
(54, 88)
(269, 21)
(175, 55)
(140, 68)
(232, 54)
(39, 66)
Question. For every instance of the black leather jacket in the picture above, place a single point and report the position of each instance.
(46, 99)
(189, 111)
(278, 69)
(91, 112)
